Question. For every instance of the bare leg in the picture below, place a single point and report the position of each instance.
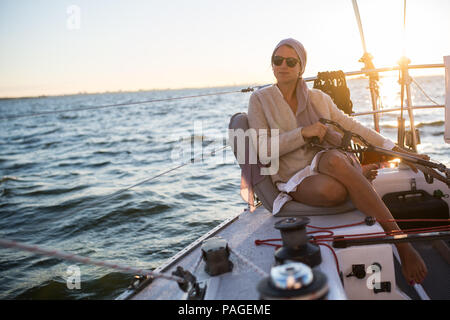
(339, 179)
(320, 190)
(365, 198)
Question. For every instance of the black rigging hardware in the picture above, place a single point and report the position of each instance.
(334, 84)
(190, 285)
(345, 145)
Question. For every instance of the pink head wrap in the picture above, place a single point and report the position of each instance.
(306, 113)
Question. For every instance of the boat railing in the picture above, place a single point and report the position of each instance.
(405, 82)
(396, 109)
(385, 69)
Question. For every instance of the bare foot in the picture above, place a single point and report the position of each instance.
(370, 171)
(413, 268)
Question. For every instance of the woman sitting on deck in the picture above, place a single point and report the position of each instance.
(324, 178)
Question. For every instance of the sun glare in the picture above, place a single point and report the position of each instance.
(394, 163)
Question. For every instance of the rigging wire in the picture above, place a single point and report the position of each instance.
(76, 258)
(120, 191)
(249, 89)
(404, 28)
(424, 93)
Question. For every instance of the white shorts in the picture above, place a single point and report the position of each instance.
(297, 178)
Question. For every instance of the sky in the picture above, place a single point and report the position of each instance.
(50, 47)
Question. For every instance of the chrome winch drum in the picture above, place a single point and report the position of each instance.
(293, 281)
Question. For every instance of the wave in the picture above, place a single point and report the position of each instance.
(9, 178)
(98, 164)
(110, 153)
(67, 116)
(50, 131)
(388, 126)
(50, 144)
(418, 125)
(31, 140)
(107, 287)
(129, 211)
(191, 196)
(5, 192)
(46, 262)
(70, 164)
(50, 289)
(112, 218)
(25, 165)
(430, 124)
(56, 191)
(69, 205)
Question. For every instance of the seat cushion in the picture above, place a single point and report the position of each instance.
(266, 191)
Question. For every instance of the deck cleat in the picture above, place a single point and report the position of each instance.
(216, 254)
(296, 246)
(293, 280)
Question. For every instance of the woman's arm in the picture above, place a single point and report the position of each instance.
(370, 135)
(412, 166)
(287, 141)
(352, 125)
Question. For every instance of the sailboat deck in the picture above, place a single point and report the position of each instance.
(242, 230)
(241, 283)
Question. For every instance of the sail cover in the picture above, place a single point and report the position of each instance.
(447, 99)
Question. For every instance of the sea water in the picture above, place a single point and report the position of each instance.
(58, 172)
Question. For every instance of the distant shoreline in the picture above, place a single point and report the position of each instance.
(126, 91)
(177, 89)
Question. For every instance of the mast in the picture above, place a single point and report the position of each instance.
(368, 65)
(405, 82)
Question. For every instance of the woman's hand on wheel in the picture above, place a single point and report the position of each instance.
(315, 130)
(417, 155)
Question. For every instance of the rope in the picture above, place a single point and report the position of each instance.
(76, 258)
(321, 239)
(249, 89)
(424, 93)
(338, 268)
(266, 242)
(338, 227)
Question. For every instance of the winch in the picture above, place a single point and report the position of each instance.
(296, 246)
(293, 281)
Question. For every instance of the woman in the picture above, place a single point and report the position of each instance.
(315, 178)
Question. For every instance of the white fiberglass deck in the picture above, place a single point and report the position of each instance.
(241, 233)
(241, 283)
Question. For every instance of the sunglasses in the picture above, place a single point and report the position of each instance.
(278, 61)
